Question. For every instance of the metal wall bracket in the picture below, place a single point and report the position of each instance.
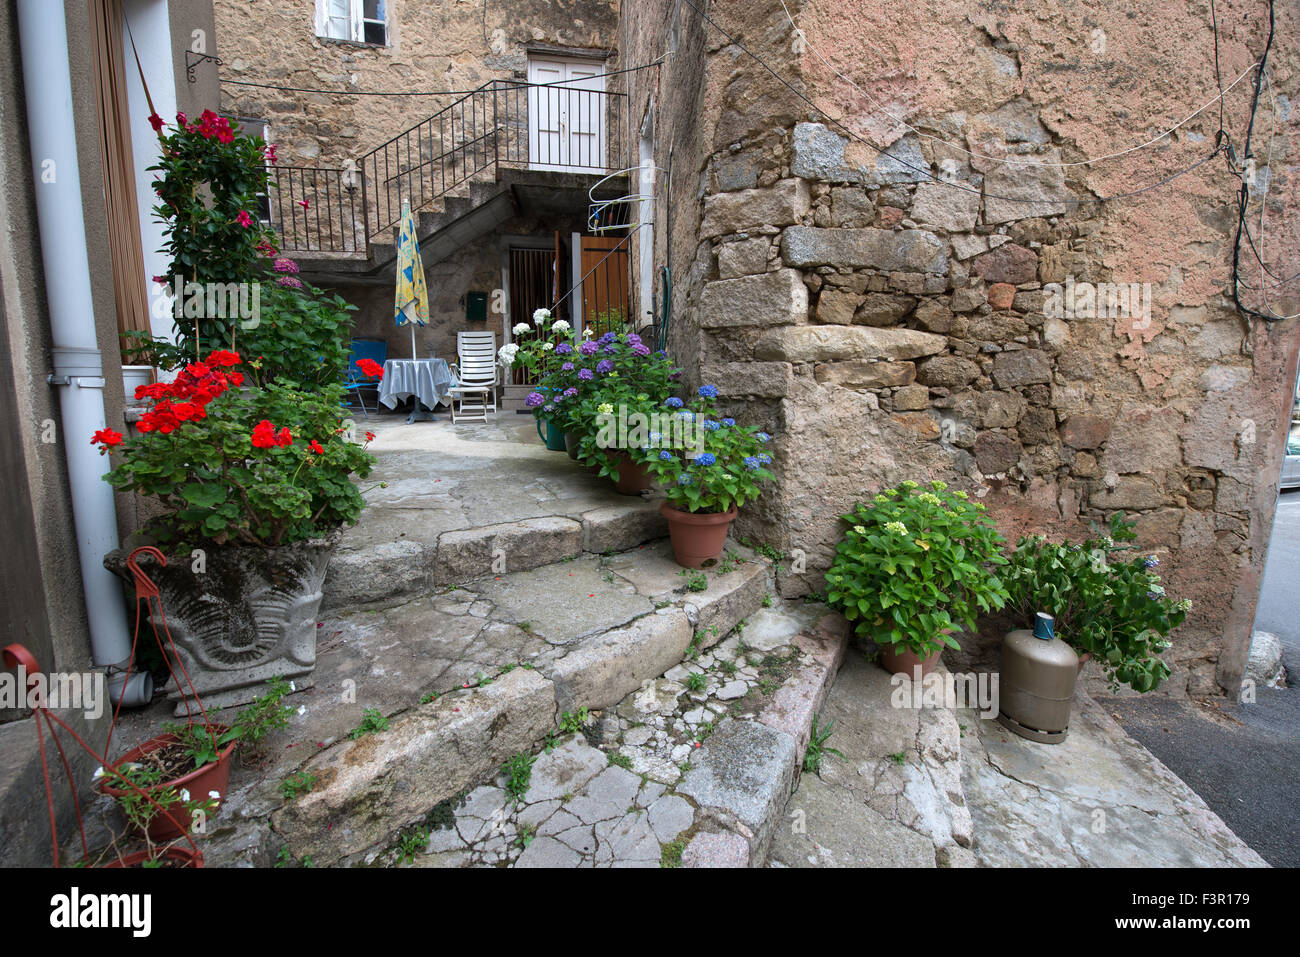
(193, 59)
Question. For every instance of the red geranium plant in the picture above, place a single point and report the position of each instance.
(226, 466)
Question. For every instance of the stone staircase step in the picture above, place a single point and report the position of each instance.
(508, 653)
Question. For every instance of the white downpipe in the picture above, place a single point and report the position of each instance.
(78, 366)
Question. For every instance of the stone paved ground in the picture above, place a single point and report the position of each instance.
(945, 787)
(692, 768)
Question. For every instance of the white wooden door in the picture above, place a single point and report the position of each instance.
(566, 116)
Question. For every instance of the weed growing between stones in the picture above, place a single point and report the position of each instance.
(817, 747)
(571, 722)
(372, 722)
(519, 773)
(300, 782)
(695, 581)
(672, 854)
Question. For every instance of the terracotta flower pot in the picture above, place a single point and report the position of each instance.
(183, 856)
(697, 537)
(175, 820)
(632, 477)
(904, 662)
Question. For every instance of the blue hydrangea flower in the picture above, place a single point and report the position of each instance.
(686, 478)
(1150, 561)
(765, 458)
(728, 423)
(711, 425)
(708, 391)
(673, 402)
(763, 437)
(656, 438)
(752, 463)
(666, 456)
(706, 458)
(687, 415)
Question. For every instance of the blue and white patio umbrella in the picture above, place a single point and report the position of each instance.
(412, 301)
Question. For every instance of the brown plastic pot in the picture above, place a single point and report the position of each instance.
(188, 857)
(697, 537)
(175, 821)
(632, 478)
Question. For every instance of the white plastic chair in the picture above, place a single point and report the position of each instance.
(476, 394)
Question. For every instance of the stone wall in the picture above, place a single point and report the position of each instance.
(902, 312)
(431, 46)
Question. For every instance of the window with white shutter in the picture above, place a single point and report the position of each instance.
(360, 21)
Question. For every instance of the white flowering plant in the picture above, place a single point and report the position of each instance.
(539, 348)
(916, 564)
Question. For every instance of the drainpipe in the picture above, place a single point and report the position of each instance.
(78, 365)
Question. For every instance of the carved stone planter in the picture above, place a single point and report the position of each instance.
(238, 615)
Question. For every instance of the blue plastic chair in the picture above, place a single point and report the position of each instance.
(373, 349)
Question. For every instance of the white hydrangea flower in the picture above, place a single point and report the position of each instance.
(521, 328)
(548, 346)
(540, 316)
(561, 326)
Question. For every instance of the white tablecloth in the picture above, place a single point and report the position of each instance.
(429, 379)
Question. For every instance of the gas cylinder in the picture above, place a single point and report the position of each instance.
(1037, 682)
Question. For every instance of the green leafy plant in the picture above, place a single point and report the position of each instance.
(134, 781)
(898, 757)
(525, 835)
(519, 774)
(695, 681)
(671, 854)
(618, 760)
(264, 715)
(300, 782)
(372, 722)
(571, 722)
(817, 747)
(915, 565)
(695, 581)
(411, 843)
(1107, 602)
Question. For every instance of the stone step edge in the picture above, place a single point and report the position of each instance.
(371, 788)
(388, 570)
(730, 839)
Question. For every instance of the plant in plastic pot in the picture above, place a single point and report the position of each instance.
(915, 565)
(709, 466)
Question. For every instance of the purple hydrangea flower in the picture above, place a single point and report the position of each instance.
(570, 392)
(586, 375)
(534, 400)
(604, 367)
(611, 347)
(567, 367)
(640, 350)
(588, 348)
(563, 349)
(607, 338)
(632, 339)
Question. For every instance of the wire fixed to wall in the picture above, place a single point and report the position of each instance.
(305, 89)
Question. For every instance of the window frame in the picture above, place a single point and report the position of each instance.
(357, 21)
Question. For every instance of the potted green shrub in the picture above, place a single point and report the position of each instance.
(1108, 602)
(707, 478)
(915, 565)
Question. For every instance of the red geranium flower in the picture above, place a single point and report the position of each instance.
(285, 437)
(316, 447)
(107, 437)
(156, 122)
(224, 357)
(370, 436)
(263, 435)
(371, 368)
